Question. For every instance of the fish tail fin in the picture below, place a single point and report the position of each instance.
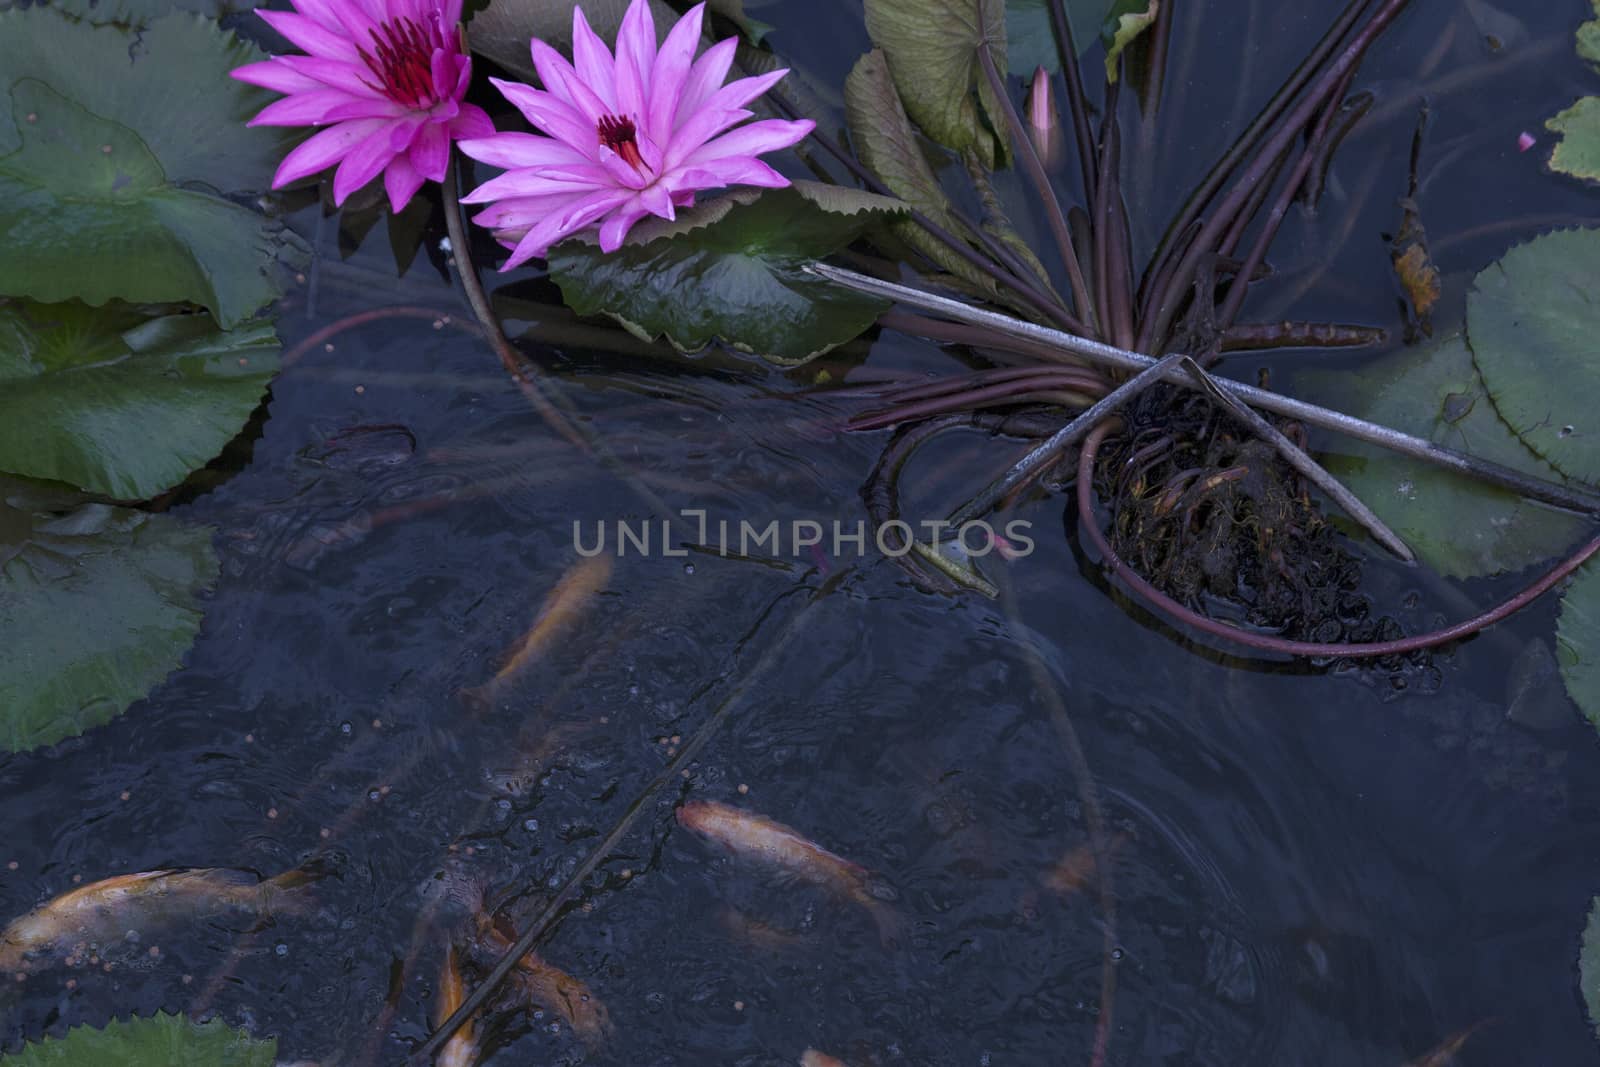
(296, 878)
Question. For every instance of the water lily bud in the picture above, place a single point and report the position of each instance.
(1044, 128)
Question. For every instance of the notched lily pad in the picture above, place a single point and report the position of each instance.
(113, 166)
(1589, 966)
(1460, 526)
(162, 1041)
(1578, 152)
(732, 268)
(1532, 319)
(97, 606)
(113, 401)
(1578, 651)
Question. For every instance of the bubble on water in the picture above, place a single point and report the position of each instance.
(345, 727)
(688, 568)
(281, 948)
(531, 825)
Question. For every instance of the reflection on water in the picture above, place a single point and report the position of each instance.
(1307, 868)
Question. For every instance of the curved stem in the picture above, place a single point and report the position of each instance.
(1284, 646)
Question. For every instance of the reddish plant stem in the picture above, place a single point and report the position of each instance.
(1022, 146)
(1255, 335)
(1012, 392)
(1171, 244)
(956, 384)
(1077, 103)
(1164, 305)
(361, 318)
(1176, 612)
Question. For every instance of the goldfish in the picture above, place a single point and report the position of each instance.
(538, 982)
(105, 913)
(1445, 1054)
(575, 589)
(776, 845)
(462, 1048)
(813, 1058)
(1077, 868)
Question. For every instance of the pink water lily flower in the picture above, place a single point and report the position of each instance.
(630, 135)
(385, 76)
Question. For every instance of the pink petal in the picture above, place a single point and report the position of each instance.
(616, 228)
(430, 152)
(734, 170)
(471, 121)
(313, 108)
(563, 82)
(444, 74)
(361, 164)
(657, 201)
(552, 116)
(323, 11)
(272, 74)
(517, 215)
(365, 108)
(509, 150)
(450, 14)
(556, 225)
(768, 135)
(738, 94)
(701, 127)
(403, 131)
(636, 54)
(705, 78)
(311, 36)
(619, 172)
(323, 149)
(525, 183)
(351, 77)
(672, 71)
(401, 181)
(593, 59)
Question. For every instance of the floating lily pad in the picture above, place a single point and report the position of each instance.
(1125, 28)
(1578, 648)
(932, 50)
(1532, 320)
(97, 605)
(1458, 525)
(1589, 966)
(732, 268)
(163, 1041)
(140, 13)
(1578, 152)
(114, 150)
(115, 402)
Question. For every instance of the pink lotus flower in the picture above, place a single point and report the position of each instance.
(385, 76)
(632, 135)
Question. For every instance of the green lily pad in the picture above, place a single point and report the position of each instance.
(1578, 152)
(732, 268)
(1460, 526)
(734, 11)
(115, 402)
(97, 605)
(139, 13)
(1532, 320)
(162, 1041)
(1589, 966)
(1578, 647)
(114, 150)
(932, 50)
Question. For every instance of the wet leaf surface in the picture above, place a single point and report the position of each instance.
(161, 1041)
(97, 155)
(117, 402)
(1532, 321)
(1578, 650)
(97, 605)
(732, 268)
(1458, 525)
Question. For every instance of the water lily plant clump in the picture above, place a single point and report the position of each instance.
(626, 135)
(386, 77)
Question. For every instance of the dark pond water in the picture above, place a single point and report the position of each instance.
(1312, 868)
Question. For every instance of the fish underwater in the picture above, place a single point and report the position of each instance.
(759, 838)
(462, 1048)
(105, 914)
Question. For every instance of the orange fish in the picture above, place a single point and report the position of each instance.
(550, 987)
(103, 913)
(813, 1058)
(462, 1048)
(575, 589)
(1445, 1054)
(778, 846)
(1077, 868)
